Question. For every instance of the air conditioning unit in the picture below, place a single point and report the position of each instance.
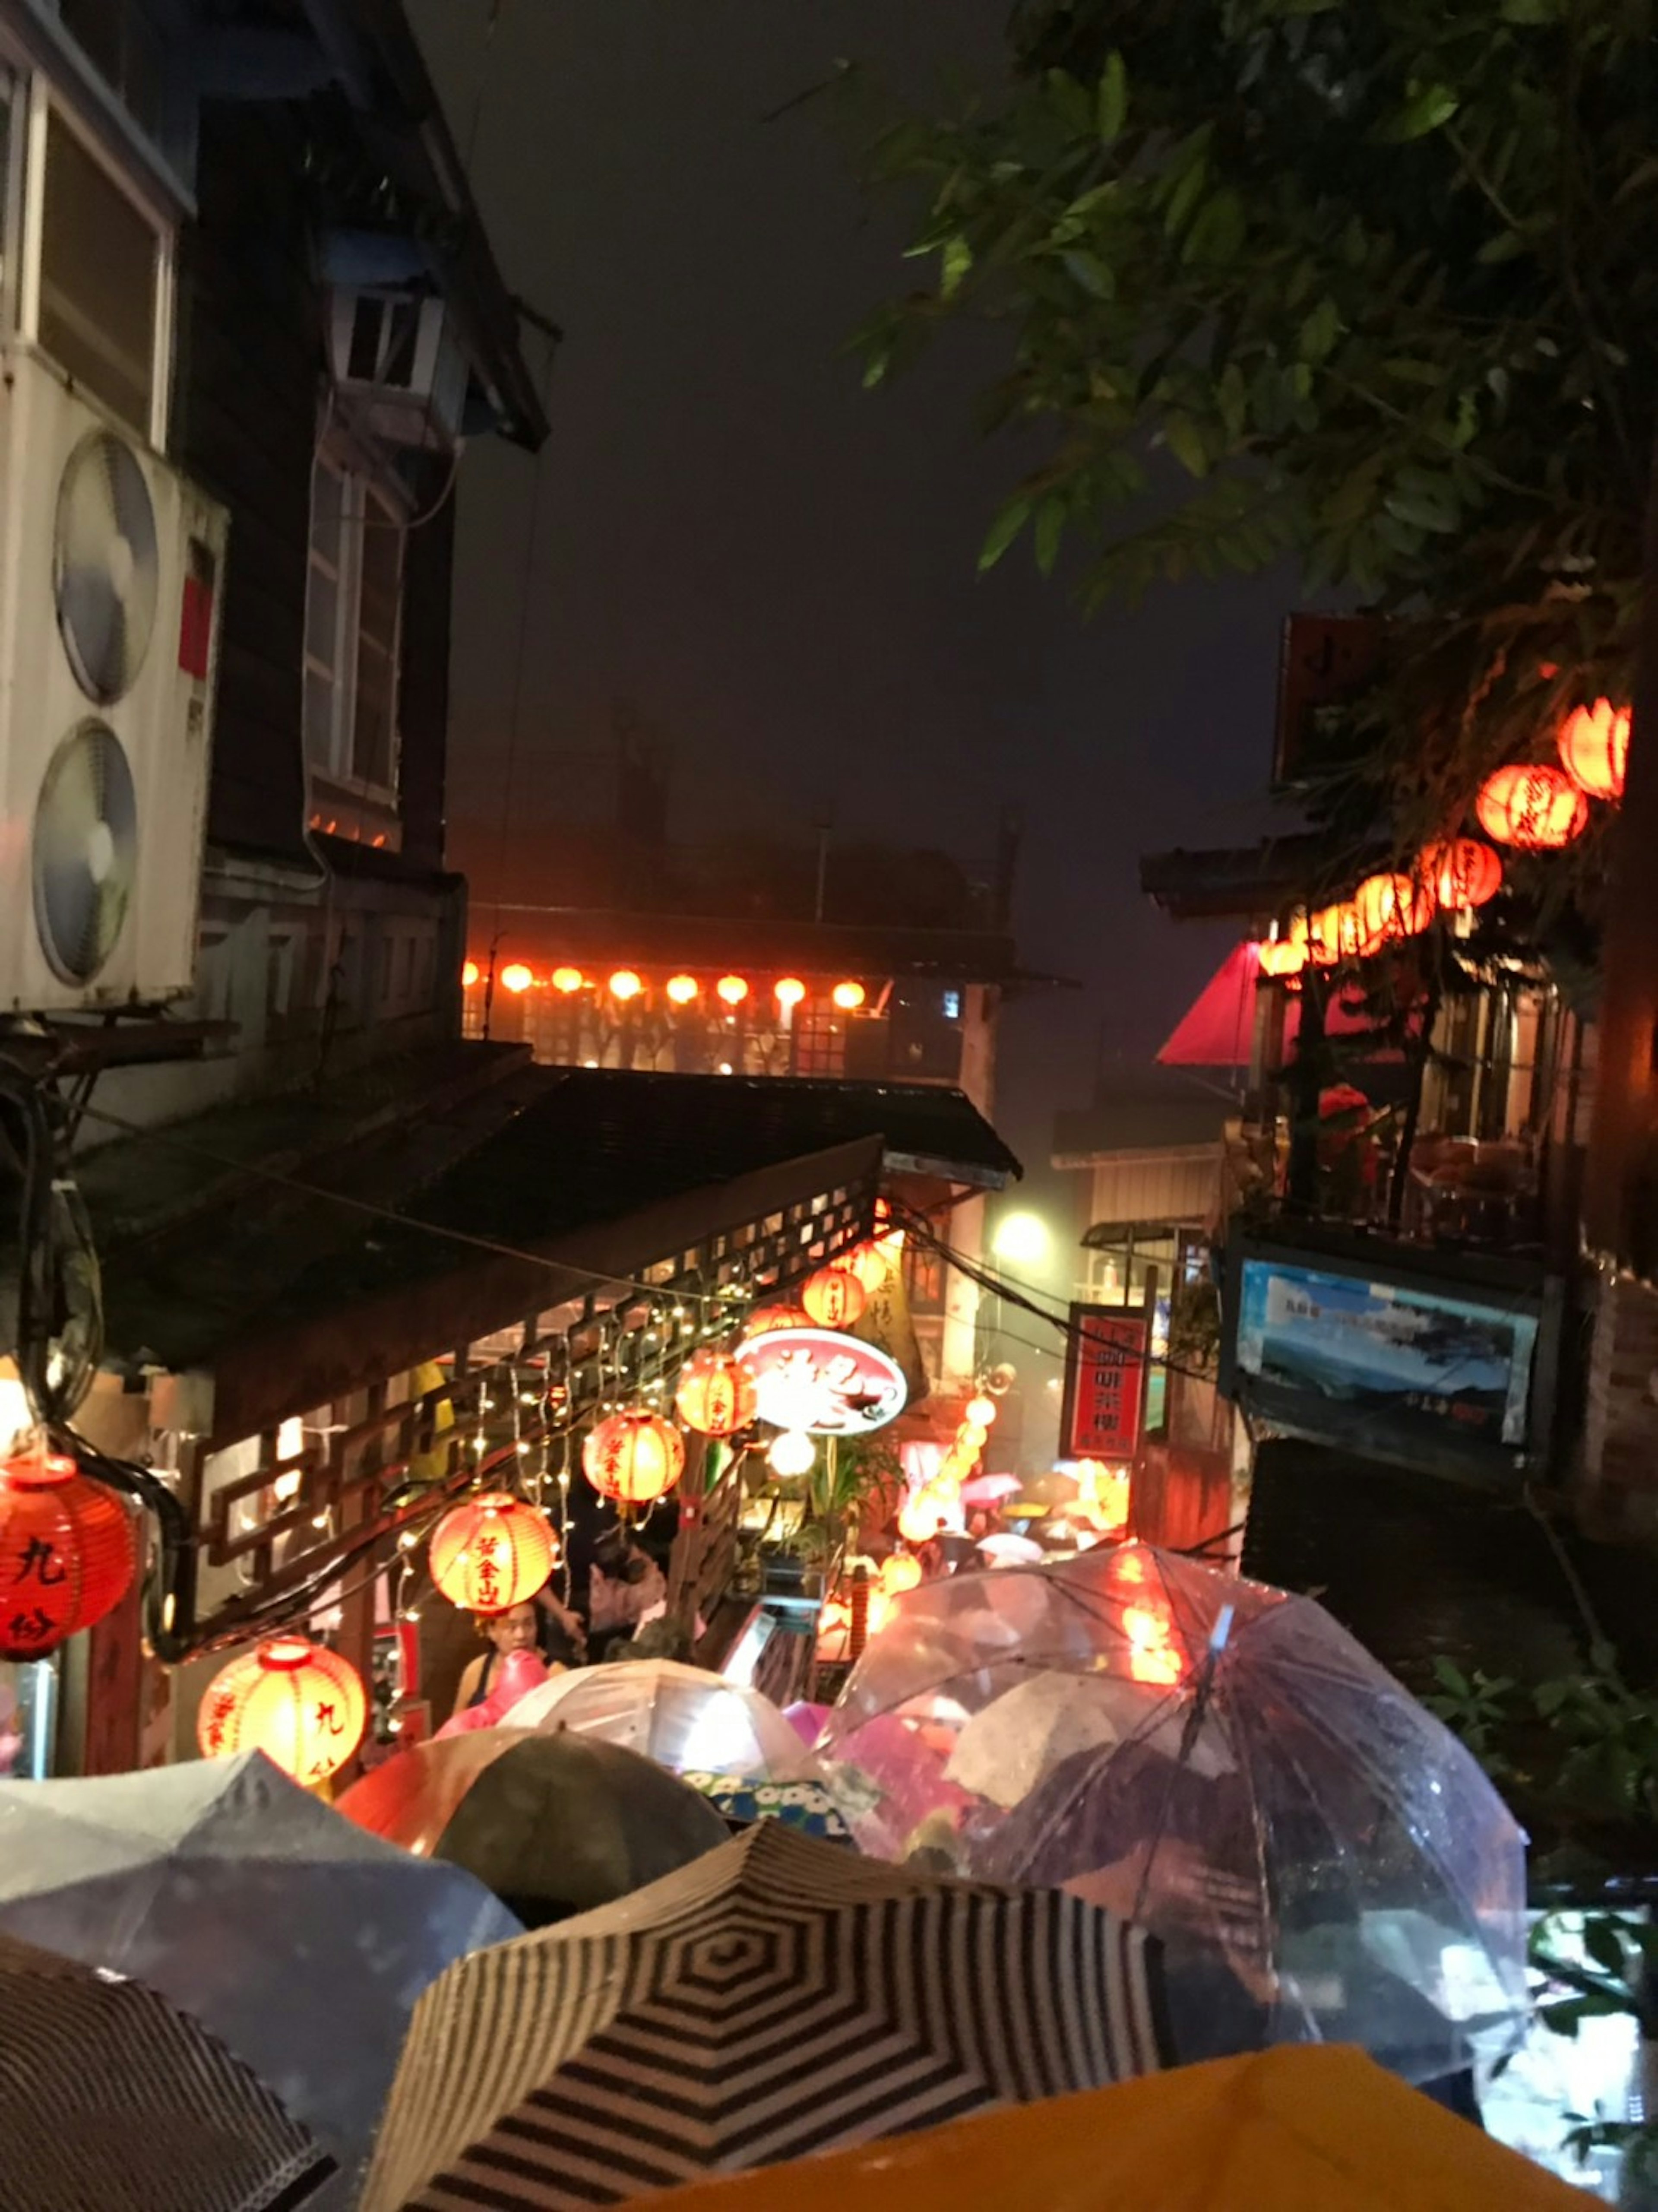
(110, 567)
(396, 354)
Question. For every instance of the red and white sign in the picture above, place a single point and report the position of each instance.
(1104, 1383)
(826, 1383)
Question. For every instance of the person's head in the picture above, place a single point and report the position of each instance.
(517, 1629)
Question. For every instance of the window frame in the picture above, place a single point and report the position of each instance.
(369, 498)
(44, 106)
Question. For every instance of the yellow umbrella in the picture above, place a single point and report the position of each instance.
(1301, 2129)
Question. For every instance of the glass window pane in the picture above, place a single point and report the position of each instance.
(322, 618)
(98, 268)
(318, 719)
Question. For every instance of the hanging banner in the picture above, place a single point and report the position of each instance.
(1104, 1383)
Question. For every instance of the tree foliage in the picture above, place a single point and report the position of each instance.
(1377, 278)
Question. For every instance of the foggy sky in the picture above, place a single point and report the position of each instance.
(777, 568)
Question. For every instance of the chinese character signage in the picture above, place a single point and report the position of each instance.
(1104, 1383)
(826, 1383)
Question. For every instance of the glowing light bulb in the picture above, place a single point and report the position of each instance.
(849, 997)
(794, 1452)
(568, 980)
(682, 989)
(516, 978)
(790, 991)
(469, 975)
(733, 989)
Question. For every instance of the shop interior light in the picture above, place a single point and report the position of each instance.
(790, 991)
(516, 977)
(733, 989)
(682, 989)
(849, 997)
(568, 980)
(625, 985)
(469, 974)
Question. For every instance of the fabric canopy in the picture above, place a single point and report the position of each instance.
(1217, 1028)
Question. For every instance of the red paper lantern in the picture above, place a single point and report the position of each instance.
(1390, 908)
(834, 1298)
(868, 1262)
(1331, 936)
(716, 1395)
(633, 1458)
(1538, 809)
(67, 1552)
(1593, 743)
(299, 1703)
(1464, 873)
(492, 1553)
(775, 1317)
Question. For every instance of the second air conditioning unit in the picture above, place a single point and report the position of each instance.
(110, 567)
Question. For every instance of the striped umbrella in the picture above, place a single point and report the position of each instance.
(777, 1997)
(110, 2097)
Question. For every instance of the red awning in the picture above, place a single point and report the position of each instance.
(1215, 1029)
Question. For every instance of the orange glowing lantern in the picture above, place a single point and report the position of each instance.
(900, 1572)
(1392, 906)
(981, 1412)
(923, 1513)
(469, 974)
(568, 980)
(1464, 873)
(790, 991)
(1538, 809)
(67, 1552)
(769, 1318)
(492, 1553)
(633, 1458)
(1282, 956)
(516, 977)
(625, 985)
(732, 990)
(834, 1298)
(849, 997)
(682, 989)
(868, 1262)
(716, 1395)
(299, 1703)
(1593, 743)
(970, 1437)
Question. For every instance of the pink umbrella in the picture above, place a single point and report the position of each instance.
(521, 1673)
(989, 1489)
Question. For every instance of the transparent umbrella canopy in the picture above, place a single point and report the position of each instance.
(683, 1718)
(1218, 1759)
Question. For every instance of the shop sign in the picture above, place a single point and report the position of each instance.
(1104, 1383)
(824, 1382)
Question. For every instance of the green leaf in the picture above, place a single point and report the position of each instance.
(1113, 101)
(1507, 246)
(1218, 232)
(1531, 11)
(1184, 195)
(1428, 109)
(957, 260)
(1049, 530)
(1185, 441)
(1319, 332)
(1232, 398)
(1005, 529)
(1090, 273)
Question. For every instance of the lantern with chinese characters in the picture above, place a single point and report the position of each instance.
(67, 1552)
(1390, 908)
(1464, 873)
(716, 1395)
(834, 1298)
(492, 1553)
(633, 1458)
(869, 1263)
(1593, 743)
(299, 1703)
(1333, 935)
(1538, 809)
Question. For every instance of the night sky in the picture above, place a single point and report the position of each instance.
(775, 569)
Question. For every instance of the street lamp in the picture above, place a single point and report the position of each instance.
(1022, 1239)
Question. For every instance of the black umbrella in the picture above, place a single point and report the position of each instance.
(552, 1824)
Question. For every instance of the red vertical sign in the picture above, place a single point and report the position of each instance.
(1104, 1383)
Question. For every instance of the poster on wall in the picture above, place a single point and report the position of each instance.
(1104, 1383)
(1432, 1362)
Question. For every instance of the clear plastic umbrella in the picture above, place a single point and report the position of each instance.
(1221, 1761)
(683, 1718)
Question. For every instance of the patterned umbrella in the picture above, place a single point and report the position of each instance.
(110, 2097)
(781, 1996)
(740, 1800)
